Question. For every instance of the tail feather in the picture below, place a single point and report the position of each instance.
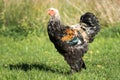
(93, 26)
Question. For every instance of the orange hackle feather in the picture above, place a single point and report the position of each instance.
(70, 33)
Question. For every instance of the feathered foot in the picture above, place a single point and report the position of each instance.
(77, 66)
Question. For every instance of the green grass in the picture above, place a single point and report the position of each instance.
(34, 57)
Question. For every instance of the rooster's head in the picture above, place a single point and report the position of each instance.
(54, 13)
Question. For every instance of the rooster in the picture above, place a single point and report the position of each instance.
(72, 41)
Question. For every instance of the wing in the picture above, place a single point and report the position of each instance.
(72, 36)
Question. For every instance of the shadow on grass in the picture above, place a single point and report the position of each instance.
(42, 67)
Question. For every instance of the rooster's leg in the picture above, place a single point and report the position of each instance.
(77, 66)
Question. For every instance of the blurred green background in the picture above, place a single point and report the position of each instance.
(32, 14)
(26, 52)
